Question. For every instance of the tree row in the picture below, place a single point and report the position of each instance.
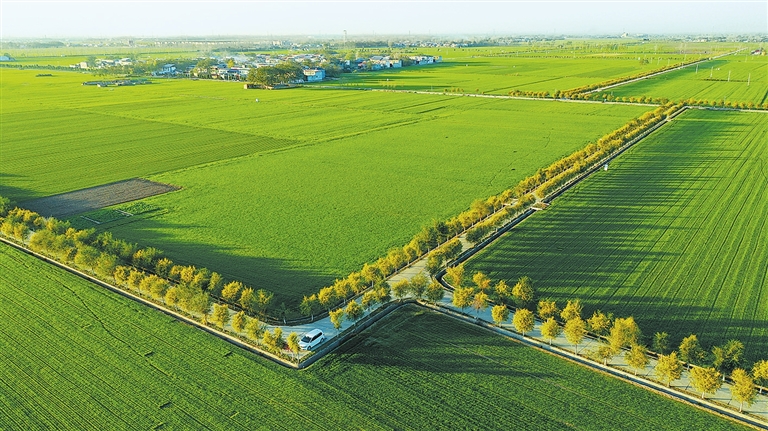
(707, 368)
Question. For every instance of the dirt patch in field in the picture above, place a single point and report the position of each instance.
(93, 198)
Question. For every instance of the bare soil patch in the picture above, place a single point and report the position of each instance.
(93, 198)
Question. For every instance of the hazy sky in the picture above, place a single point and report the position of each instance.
(58, 19)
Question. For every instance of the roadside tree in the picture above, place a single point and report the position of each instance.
(705, 380)
(337, 318)
(660, 343)
(760, 373)
(231, 291)
(691, 351)
(503, 291)
(435, 292)
(327, 297)
(575, 330)
(636, 358)
(309, 306)
(624, 332)
(728, 356)
(480, 302)
(455, 275)
(481, 281)
(238, 321)
(220, 314)
(462, 297)
(599, 323)
(354, 311)
(500, 314)
(401, 289)
(550, 329)
(743, 388)
(419, 286)
(571, 310)
(254, 328)
(546, 309)
(522, 292)
(247, 300)
(668, 368)
(293, 345)
(369, 299)
(604, 353)
(523, 320)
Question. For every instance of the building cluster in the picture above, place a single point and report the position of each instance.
(102, 64)
(236, 68)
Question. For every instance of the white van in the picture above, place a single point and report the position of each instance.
(311, 339)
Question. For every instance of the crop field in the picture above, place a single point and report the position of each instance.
(76, 356)
(673, 234)
(502, 74)
(288, 221)
(559, 65)
(735, 78)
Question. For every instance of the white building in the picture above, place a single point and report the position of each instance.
(314, 75)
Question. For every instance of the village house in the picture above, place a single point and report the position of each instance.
(314, 75)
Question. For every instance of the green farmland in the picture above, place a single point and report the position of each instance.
(502, 74)
(674, 234)
(550, 66)
(364, 171)
(739, 77)
(76, 356)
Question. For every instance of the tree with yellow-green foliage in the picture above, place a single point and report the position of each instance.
(481, 281)
(575, 330)
(705, 380)
(599, 322)
(238, 321)
(760, 372)
(337, 318)
(637, 358)
(220, 314)
(455, 275)
(668, 368)
(354, 311)
(435, 292)
(500, 314)
(571, 310)
(546, 309)
(480, 302)
(743, 388)
(523, 321)
(550, 329)
(522, 292)
(293, 344)
(462, 297)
